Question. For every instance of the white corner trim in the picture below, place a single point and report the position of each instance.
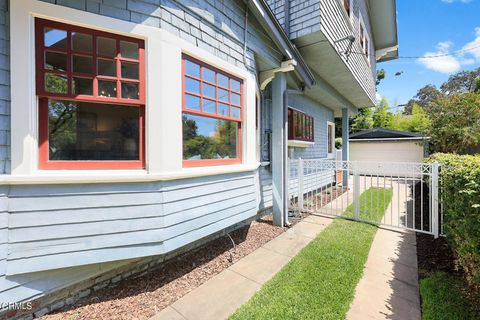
(163, 132)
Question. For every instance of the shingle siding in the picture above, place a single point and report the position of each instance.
(4, 88)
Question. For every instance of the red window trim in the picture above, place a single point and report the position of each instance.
(292, 126)
(346, 6)
(44, 162)
(213, 162)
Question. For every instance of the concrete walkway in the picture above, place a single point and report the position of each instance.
(389, 286)
(220, 296)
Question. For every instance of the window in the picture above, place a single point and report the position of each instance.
(346, 5)
(300, 126)
(212, 115)
(330, 138)
(90, 86)
(362, 36)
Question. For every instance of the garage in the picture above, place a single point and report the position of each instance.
(381, 145)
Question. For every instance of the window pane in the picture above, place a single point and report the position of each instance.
(82, 86)
(107, 67)
(222, 80)
(89, 131)
(55, 83)
(192, 85)
(235, 99)
(235, 112)
(55, 61)
(209, 138)
(223, 110)
(192, 102)
(107, 88)
(222, 95)
(106, 47)
(129, 50)
(192, 68)
(208, 75)
(208, 91)
(130, 70)
(234, 85)
(130, 90)
(82, 42)
(82, 64)
(208, 106)
(54, 38)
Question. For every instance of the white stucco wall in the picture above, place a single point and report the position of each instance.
(390, 151)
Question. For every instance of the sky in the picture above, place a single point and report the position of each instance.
(426, 28)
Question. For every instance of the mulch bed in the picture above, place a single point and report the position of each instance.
(144, 296)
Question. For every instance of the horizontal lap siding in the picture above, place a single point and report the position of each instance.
(133, 220)
(265, 185)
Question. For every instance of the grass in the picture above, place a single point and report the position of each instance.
(319, 283)
(442, 299)
(373, 204)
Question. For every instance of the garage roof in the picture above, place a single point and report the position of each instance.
(385, 134)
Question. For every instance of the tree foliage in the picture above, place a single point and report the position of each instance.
(381, 117)
(455, 122)
(417, 121)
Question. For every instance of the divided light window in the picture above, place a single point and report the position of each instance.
(300, 126)
(90, 86)
(212, 115)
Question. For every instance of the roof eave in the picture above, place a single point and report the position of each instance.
(264, 14)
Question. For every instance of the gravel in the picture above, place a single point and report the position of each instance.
(144, 296)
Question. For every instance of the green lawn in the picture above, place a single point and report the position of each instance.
(442, 299)
(319, 283)
(373, 204)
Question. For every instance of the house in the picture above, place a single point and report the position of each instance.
(133, 129)
(379, 144)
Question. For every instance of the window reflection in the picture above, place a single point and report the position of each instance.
(89, 131)
(209, 138)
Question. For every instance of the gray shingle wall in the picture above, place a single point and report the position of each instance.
(304, 17)
(278, 8)
(321, 115)
(4, 88)
(214, 25)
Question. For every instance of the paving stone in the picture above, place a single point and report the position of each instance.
(261, 265)
(168, 314)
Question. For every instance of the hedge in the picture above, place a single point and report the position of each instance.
(460, 177)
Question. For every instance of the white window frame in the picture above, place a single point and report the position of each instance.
(331, 155)
(163, 51)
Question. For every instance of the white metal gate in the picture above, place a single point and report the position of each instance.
(396, 194)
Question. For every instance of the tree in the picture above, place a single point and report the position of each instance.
(381, 116)
(417, 121)
(363, 120)
(455, 122)
(380, 76)
(424, 97)
(461, 82)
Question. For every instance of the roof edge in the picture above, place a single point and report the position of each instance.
(263, 12)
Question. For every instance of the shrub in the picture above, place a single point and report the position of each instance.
(461, 208)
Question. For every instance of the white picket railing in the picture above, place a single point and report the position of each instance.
(396, 194)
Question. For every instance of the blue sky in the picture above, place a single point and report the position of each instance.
(430, 27)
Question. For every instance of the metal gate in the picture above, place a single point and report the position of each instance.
(401, 195)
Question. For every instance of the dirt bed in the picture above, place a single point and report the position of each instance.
(143, 297)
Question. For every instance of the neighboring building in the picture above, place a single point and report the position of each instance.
(382, 145)
(132, 129)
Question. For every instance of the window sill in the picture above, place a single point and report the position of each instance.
(119, 176)
(300, 143)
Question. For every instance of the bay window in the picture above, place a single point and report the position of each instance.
(90, 87)
(300, 126)
(212, 115)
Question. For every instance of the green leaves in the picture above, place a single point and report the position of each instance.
(460, 196)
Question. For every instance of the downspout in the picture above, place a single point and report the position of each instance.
(245, 28)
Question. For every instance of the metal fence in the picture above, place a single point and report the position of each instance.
(395, 194)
